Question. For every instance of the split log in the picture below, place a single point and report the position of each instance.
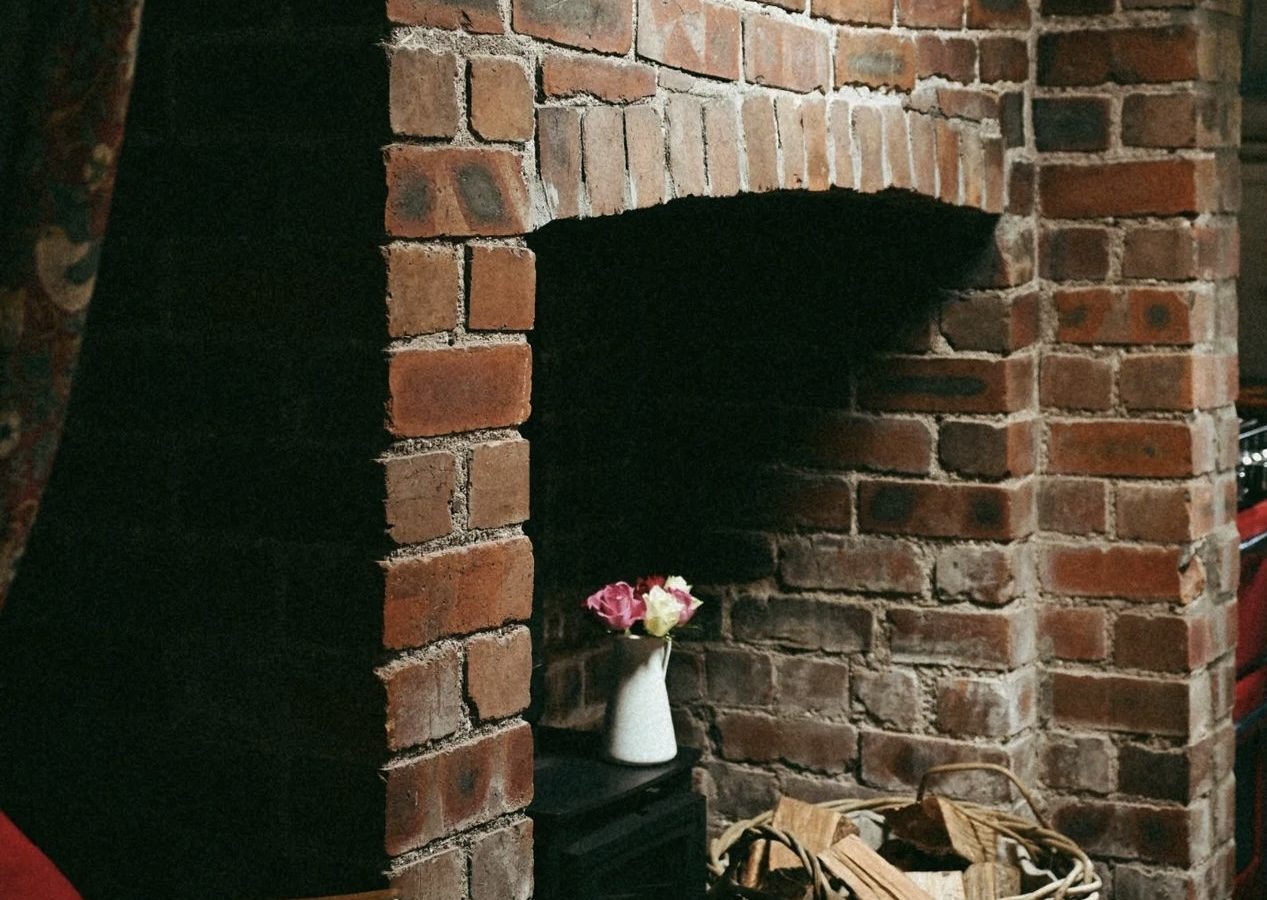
(940, 885)
(867, 873)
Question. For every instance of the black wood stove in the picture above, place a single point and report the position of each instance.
(609, 832)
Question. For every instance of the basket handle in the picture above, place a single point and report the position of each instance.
(983, 767)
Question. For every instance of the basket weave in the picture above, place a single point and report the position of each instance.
(1081, 881)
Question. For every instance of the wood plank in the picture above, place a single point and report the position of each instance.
(814, 827)
(940, 885)
(990, 880)
(867, 874)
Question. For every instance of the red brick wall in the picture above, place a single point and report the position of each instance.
(1040, 573)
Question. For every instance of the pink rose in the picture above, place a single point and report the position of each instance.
(617, 605)
(681, 591)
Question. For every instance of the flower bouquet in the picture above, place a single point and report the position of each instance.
(638, 727)
(655, 605)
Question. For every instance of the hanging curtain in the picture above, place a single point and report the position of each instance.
(65, 75)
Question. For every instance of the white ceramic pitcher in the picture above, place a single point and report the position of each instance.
(638, 729)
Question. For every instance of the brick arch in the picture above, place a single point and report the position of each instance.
(593, 155)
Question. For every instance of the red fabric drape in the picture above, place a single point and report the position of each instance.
(69, 131)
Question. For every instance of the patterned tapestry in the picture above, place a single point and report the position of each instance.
(66, 120)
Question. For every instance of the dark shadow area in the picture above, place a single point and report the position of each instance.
(186, 658)
(682, 358)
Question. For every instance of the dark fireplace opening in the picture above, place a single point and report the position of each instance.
(691, 362)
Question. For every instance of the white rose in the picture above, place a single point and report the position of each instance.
(663, 611)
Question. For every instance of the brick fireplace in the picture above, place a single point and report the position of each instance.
(984, 513)
(905, 329)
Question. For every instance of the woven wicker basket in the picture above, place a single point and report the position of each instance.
(1079, 879)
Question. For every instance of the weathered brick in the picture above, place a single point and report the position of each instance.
(868, 564)
(1175, 381)
(419, 493)
(559, 157)
(1167, 253)
(897, 763)
(891, 696)
(694, 35)
(457, 591)
(1069, 381)
(1128, 572)
(813, 685)
(423, 284)
(1079, 253)
(606, 79)
(1078, 633)
(501, 99)
(686, 145)
(1163, 120)
(989, 322)
(458, 389)
(1138, 316)
(1012, 14)
(721, 147)
(604, 25)
(761, 142)
(481, 16)
(460, 191)
(897, 148)
(994, 639)
(950, 57)
(603, 153)
(644, 138)
(824, 746)
(498, 492)
(424, 698)
(875, 59)
(923, 154)
(1078, 763)
(457, 788)
(501, 863)
(1003, 59)
(440, 876)
(986, 449)
(783, 54)
(868, 131)
(1126, 447)
(1170, 513)
(1124, 56)
(854, 12)
(503, 288)
(1162, 187)
(1161, 643)
(844, 172)
(844, 440)
(1176, 775)
(996, 707)
(987, 512)
(983, 574)
(1073, 505)
(423, 93)
(930, 13)
(787, 114)
(949, 384)
(817, 151)
(739, 676)
(498, 673)
(804, 622)
(1071, 123)
(1154, 834)
(1121, 703)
